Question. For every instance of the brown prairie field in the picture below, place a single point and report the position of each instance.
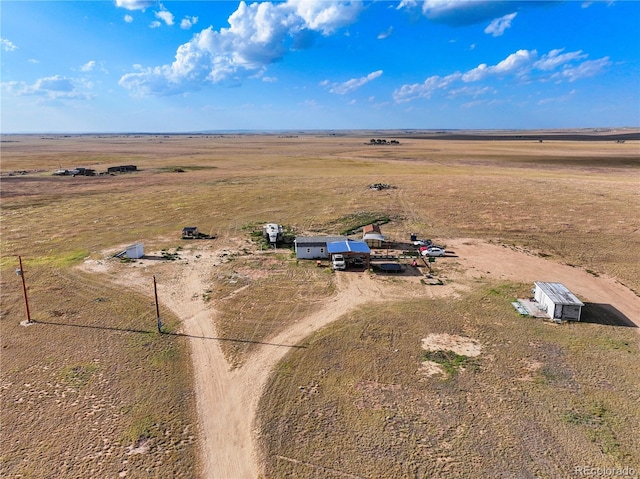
(272, 367)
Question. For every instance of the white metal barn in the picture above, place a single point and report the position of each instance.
(314, 247)
(558, 302)
(135, 251)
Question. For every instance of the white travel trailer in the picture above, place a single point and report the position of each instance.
(273, 233)
(558, 302)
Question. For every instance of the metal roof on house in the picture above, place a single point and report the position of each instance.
(373, 236)
(371, 228)
(348, 246)
(558, 293)
(317, 240)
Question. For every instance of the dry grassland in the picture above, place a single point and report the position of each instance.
(537, 401)
(258, 297)
(81, 394)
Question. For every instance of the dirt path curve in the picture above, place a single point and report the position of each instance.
(489, 260)
(227, 399)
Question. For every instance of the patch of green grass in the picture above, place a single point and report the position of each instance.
(505, 290)
(78, 375)
(615, 344)
(141, 427)
(598, 423)
(353, 222)
(170, 256)
(450, 361)
(63, 260)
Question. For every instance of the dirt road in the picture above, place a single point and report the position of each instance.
(227, 399)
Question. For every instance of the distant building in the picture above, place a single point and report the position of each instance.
(122, 169)
(83, 172)
(558, 302)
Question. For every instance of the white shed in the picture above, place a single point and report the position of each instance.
(135, 251)
(558, 302)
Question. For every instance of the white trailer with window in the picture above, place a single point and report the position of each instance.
(558, 302)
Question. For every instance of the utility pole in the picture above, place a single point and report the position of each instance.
(155, 292)
(20, 272)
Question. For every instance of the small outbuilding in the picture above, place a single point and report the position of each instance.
(558, 302)
(134, 251)
(372, 235)
(314, 247)
(190, 232)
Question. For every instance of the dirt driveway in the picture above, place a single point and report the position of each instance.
(227, 399)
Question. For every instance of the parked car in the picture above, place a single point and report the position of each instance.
(433, 251)
(423, 242)
(338, 262)
(357, 262)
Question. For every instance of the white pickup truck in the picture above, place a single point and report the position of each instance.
(338, 262)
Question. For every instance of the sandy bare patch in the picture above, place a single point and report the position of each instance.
(430, 368)
(529, 369)
(449, 342)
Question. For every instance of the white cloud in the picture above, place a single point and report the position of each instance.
(87, 67)
(353, 84)
(515, 64)
(49, 88)
(586, 69)
(258, 35)
(499, 25)
(188, 22)
(135, 4)
(7, 45)
(560, 99)
(165, 15)
(554, 58)
(155, 24)
(425, 89)
(523, 64)
(467, 12)
(326, 16)
(386, 34)
(33, 60)
(128, 18)
(468, 91)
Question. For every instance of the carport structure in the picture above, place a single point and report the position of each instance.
(350, 249)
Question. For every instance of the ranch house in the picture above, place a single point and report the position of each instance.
(314, 247)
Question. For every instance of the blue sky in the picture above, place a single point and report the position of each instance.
(186, 66)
